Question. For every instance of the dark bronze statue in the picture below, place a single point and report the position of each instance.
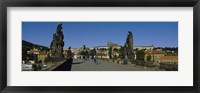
(69, 53)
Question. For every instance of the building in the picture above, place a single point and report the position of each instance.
(170, 59)
(144, 47)
(37, 55)
(116, 46)
(115, 51)
(42, 56)
(102, 48)
(34, 51)
(103, 55)
(102, 51)
(75, 52)
(153, 55)
(107, 47)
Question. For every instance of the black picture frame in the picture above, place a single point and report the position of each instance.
(98, 3)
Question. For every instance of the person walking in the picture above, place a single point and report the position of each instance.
(95, 60)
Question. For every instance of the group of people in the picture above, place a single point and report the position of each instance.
(70, 58)
(92, 57)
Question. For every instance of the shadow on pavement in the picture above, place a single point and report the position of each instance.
(66, 66)
(78, 63)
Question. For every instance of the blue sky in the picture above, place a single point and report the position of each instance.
(77, 34)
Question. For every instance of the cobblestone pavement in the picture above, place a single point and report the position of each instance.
(81, 65)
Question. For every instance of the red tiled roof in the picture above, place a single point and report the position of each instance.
(43, 52)
(153, 52)
(169, 58)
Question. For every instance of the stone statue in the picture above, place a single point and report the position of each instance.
(128, 46)
(57, 43)
(69, 53)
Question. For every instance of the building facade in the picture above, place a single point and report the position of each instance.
(170, 59)
(152, 55)
(144, 47)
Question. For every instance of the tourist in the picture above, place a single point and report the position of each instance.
(95, 60)
(84, 58)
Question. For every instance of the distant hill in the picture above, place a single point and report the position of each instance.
(31, 45)
(26, 46)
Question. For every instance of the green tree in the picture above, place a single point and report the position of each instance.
(93, 52)
(110, 52)
(102, 50)
(82, 53)
(140, 54)
(121, 52)
(149, 58)
(116, 51)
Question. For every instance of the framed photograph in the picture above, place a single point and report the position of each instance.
(106, 46)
